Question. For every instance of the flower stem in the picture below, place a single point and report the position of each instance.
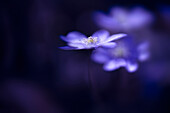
(89, 73)
(92, 84)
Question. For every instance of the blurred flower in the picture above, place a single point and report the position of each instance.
(121, 19)
(125, 54)
(78, 41)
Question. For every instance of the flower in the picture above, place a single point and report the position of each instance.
(78, 41)
(125, 54)
(121, 19)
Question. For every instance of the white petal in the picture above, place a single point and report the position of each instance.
(131, 66)
(115, 37)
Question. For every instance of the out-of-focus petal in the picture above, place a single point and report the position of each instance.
(139, 18)
(143, 56)
(109, 44)
(99, 57)
(131, 66)
(121, 62)
(118, 12)
(110, 66)
(115, 37)
(101, 34)
(105, 21)
(143, 52)
(64, 38)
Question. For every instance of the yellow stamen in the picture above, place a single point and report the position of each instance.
(90, 40)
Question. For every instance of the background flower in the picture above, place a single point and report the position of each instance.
(125, 54)
(121, 19)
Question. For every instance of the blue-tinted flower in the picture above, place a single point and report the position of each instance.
(121, 19)
(125, 54)
(78, 41)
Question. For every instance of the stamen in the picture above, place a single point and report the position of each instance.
(120, 51)
(90, 40)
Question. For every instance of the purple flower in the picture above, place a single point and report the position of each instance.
(78, 41)
(121, 19)
(125, 54)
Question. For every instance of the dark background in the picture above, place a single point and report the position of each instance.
(37, 77)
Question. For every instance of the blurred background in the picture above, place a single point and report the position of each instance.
(37, 77)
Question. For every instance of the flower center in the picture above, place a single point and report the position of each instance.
(120, 51)
(90, 40)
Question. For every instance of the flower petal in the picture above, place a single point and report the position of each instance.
(99, 56)
(105, 21)
(121, 62)
(118, 12)
(131, 66)
(143, 53)
(110, 66)
(73, 37)
(115, 37)
(139, 17)
(143, 56)
(77, 45)
(68, 48)
(101, 34)
(109, 44)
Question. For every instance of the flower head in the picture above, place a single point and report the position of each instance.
(125, 54)
(102, 38)
(120, 19)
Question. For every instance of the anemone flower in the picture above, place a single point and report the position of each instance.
(101, 38)
(125, 54)
(120, 19)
